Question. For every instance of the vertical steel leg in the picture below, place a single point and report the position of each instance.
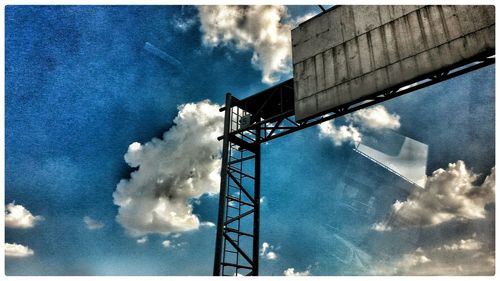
(223, 183)
(239, 199)
(256, 218)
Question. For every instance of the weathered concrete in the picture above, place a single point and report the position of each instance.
(353, 51)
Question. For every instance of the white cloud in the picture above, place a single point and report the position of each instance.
(380, 226)
(291, 272)
(208, 224)
(467, 244)
(271, 255)
(463, 257)
(142, 240)
(166, 243)
(183, 24)
(371, 118)
(375, 117)
(16, 216)
(172, 171)
(294, 22)
(264, 248)
(267, 252)
(449, 194)
(92, 224)
(17, 251)
(339, 135)
(265, 30)
(413, 259)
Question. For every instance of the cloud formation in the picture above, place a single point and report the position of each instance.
(17, 251)
(171, 172)
(265, 30)
(92, 224)
(182, 23)
(16, 216)
(291, 272)
(371, 118)
(207, 224)
(142, 240)
(463, 257)
(267, 252)
(375, 117)
(381, 226)
(166, 243)
(448, 194)
(340, 135)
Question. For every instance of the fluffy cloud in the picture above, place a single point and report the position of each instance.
(380, 226)
(467, 244)
(92, 224)
(208, 224)
(171, 172)
(142, 240)
(463, 257)
(17, 251)
(265, 30)
(183, 24)
(291, 272)
(16, 216)
(448, 194)
(339, 135)
(371, 118)
(375, 117)
(267, 252)
(166, 243)
(294, 22)
(413, 259)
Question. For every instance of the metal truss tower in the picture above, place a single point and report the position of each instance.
(260, 118)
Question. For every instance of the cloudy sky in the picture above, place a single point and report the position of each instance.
(112, 160)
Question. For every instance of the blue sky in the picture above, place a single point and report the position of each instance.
(81, 87)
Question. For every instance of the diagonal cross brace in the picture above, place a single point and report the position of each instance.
(238, 248)
(241, 187)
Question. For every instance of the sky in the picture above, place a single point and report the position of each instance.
(111, 168)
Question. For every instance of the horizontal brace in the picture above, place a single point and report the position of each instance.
(269, 120)
(279, 128)
(233, 100)
(236, 265)
(241, 143)
(253, 133)
(238, 217)
(239, 201)
(243, 254)
(241, 160)
(240, 172)
(238, 232)
(375, 99)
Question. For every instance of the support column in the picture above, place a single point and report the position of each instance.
(237, 237)
(223, 184)
(256, 219)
